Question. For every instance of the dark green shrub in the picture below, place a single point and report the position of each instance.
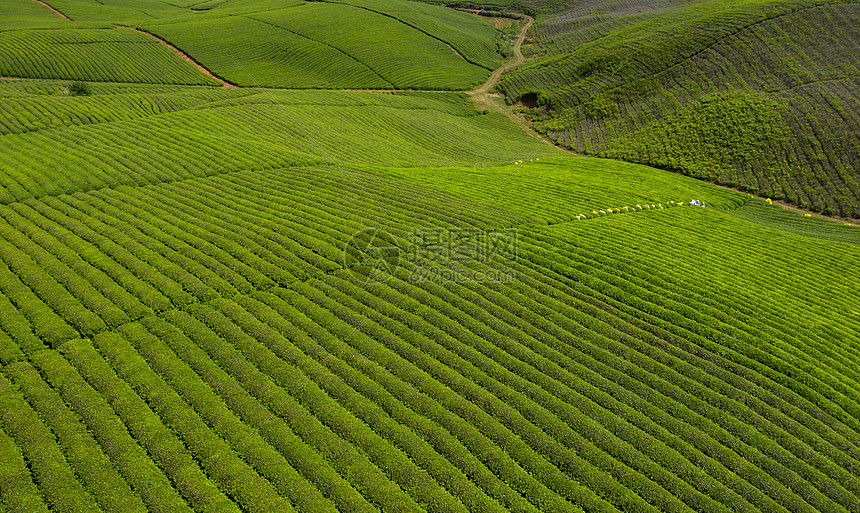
(79, 89)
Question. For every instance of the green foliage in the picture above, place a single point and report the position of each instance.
(18, 491)
(126, 12)
(241, 133)
(265, 459)
(556, 190)
(216, 456)
(315, 389)
(773, 216)
(59, 486)
(639, 80)
(93, 55)
(599, 106)
(709, 138)
(94, 468)
(327, 45)
(198, 352)
(79, 89)
(637, 353)
(120, 415)
(15, 14)
(473, 37)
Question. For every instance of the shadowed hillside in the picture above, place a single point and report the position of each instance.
(759, 95)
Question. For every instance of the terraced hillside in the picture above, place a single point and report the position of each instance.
(329, 45)
(98, 55)
(246, 299)
(236, 338)
(26, 13)
(759, 95)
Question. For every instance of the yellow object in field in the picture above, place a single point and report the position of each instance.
(807, 215)
(769, 202)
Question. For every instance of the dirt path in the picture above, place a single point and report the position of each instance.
(484, 100)
(517, 60)
(844, 220)
(481, 96)
(180, 53)
(58, 13)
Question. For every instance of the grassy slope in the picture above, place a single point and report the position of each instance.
(36, 43)
(119, 11)
(471, 36)
(759, 95)
(26, 13)
(171, 137)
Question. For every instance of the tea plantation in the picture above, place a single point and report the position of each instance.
(321, 299)
(755, 94)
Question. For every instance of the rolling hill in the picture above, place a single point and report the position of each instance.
(328, 300)
(759, 95)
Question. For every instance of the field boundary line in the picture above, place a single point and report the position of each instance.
(344, 52)
(224, 83)
(813, 82)
(410, 26)
(55, 11)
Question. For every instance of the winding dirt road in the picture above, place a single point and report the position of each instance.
(485, 101)
(515, 61)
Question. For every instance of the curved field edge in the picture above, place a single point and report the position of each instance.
(310, 46)
(175, 136)
(94, 55)
(212, 301)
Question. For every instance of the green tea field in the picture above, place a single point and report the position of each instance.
(759, 95)
(271, 256)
